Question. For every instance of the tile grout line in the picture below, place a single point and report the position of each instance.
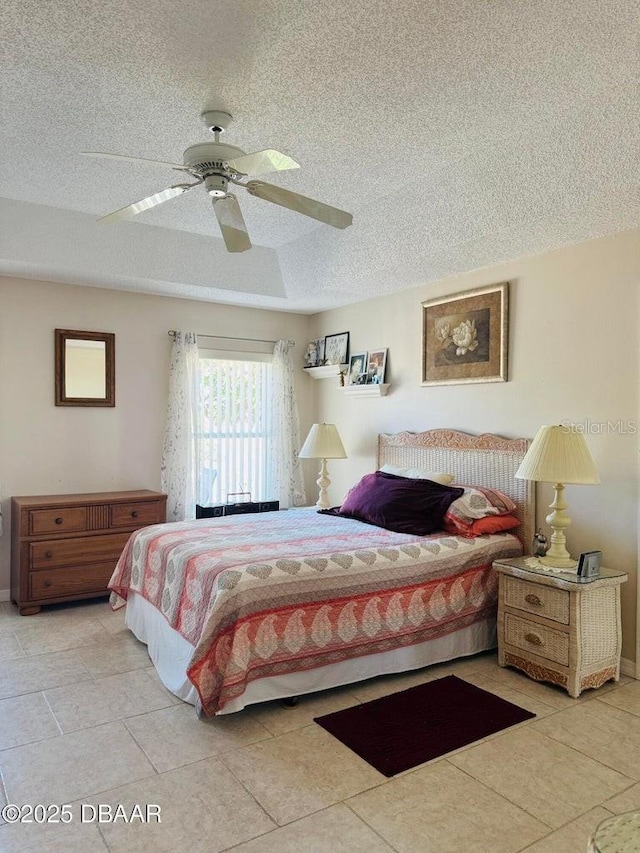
(4, 796)
(57, 722)
(17, 637)
(604, 702)
(323, 808)
(632, 782)
(112, 720)
(104, 790)
(564, 826)
(591, 758)
(139, 745)
(345, 803)
(103, 839)
(504, 797)
(253, 797)
(53, 687)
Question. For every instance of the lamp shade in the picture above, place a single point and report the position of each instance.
(323, 442)
(558, 454)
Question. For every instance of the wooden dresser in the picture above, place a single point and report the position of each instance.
(65, 547)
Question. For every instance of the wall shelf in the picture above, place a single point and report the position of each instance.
(367, 390)
(326, 371)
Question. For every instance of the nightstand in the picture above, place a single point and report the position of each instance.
(557, 627)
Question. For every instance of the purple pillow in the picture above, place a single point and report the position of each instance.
(398, 503)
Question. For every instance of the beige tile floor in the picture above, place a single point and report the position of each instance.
(85, 721)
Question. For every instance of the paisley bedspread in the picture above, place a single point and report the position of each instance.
(279, 592)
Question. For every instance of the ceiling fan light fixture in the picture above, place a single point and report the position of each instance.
(216, 186)
(217, 121)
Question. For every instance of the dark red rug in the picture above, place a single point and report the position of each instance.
(413, 726)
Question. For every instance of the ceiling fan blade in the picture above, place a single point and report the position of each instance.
(300, 203)
(261, 162)
(147, 203)
(134, 159)
(231, 222)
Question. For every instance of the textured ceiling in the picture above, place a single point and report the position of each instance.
(458, 132)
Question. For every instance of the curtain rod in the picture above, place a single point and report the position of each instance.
(172, 332)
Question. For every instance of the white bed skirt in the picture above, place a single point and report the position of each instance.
(171, 653)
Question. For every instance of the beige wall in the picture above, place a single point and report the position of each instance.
(47, 449)
(573, 355)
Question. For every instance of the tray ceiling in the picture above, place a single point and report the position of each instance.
(459, 133)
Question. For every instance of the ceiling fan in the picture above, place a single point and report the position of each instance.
(216, 165)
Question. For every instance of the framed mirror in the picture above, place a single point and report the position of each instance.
(85, 368)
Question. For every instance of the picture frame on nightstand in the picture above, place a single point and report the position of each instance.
(589, 564)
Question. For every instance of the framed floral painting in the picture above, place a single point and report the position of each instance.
(464, 337)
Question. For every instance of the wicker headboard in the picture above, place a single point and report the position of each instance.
(481, 460)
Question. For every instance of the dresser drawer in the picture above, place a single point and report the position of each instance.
(536, 639)
(136, 514)
(536, 598)
(58, 583)
(70, 519)
(76, 552)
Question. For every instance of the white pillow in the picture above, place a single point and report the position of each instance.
(479, 502)
(418, 474)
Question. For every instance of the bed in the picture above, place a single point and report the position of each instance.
(244, 609)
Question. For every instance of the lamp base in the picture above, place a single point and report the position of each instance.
(562, 565)
(323, 482)
(557, 557)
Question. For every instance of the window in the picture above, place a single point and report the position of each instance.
(232, 447)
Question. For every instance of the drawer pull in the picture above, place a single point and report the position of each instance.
(48, 554)
(534, 639)
(134, 514)
(47, 583)
(531, 598)
(59, 520)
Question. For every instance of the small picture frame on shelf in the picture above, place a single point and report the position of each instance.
(357, 373)
(314, 356)
(376, 366)
(336, 348)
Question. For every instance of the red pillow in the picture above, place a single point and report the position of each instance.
(479, 527)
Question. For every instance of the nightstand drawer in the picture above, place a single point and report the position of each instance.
(536, 598)
(68, 519)
(136, 514)
(536, 639)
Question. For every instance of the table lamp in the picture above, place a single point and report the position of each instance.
(558, 455)
(323, 442)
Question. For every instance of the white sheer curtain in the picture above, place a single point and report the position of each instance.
(180, 451)
(234, 404)
(286, 481)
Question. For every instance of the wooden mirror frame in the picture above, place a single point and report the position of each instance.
(109, 339)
